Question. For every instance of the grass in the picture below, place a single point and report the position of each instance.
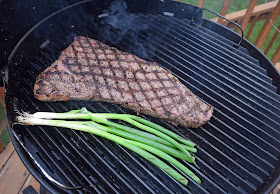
(2, 113)
(4, 136)
(237, 5)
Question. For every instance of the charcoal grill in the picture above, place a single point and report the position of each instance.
(238, 149)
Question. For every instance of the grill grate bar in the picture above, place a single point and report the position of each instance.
(226, 63)
(241, 51)
(220, 45)
(120, 147)
(100, 172)
(229, 110)
(175, 53)
(252, 148)
(166, 62)
(111, 111)
(224, 105)
(237, 175)
(186, 164)
(41, 144)
(258, 148)
(229, 145)
(220, 53)
(52, 108)
(234, 164)
(272, 116)
(52, 139)
(80, 176)
(135, 176)
(79, 107)
(226, 92)
(232, 104)
(50, 159)
(121, 111)
(236, 184)
(183, 45)
(72, 145)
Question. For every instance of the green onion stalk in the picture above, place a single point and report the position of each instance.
(148, 139)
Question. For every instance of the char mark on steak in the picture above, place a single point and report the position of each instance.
(90, 70)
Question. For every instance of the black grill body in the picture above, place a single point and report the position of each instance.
(238, 149)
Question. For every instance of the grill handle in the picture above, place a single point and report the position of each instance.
(242, 34)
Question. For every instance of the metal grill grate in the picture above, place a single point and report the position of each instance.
(237, 150)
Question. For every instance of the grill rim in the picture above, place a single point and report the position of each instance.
(24, 157)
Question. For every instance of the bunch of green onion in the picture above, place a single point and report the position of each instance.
(147, 139)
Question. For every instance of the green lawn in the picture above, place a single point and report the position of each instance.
(4, 136)
(2, 114)
(237, 5)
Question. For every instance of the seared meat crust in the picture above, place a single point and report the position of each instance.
(90, 70)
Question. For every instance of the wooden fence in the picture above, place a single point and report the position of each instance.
(267, 11)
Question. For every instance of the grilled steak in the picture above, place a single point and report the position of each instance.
(90, 70)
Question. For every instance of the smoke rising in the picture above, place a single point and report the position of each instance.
(130, 27)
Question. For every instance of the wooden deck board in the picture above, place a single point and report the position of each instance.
(31, 181)
(277, 65)
(6, 154)
(14, 177)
